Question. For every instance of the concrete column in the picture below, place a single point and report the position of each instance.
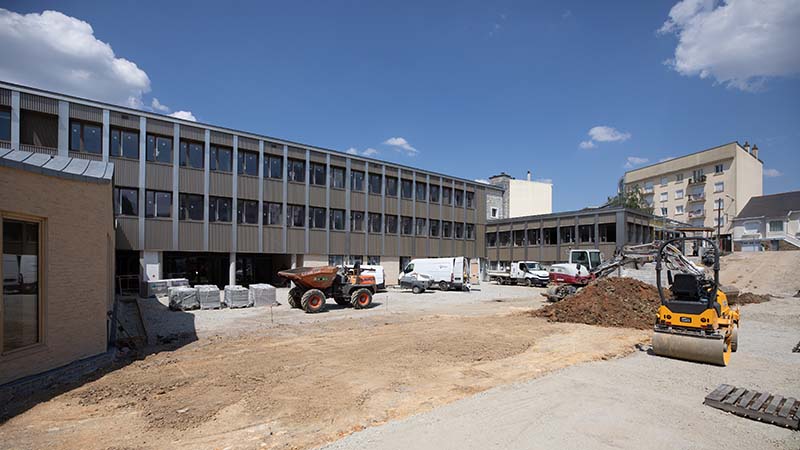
(347, 185)
(106, 134)
(176, 151)
(235, 201)
(260, 196)
(383, 209)
(558, 239)
(621, 232)
(206, 181)
(63, 128)
(15, 120)
(428, 211)
(293, 259)
(366, 210)
(596, 238)
(328, 178)
(441, 215)
(285, 187)
(399, 213)
(525, 241)
(142, 177)
(413, 211)
(307, 200)
(232, 269)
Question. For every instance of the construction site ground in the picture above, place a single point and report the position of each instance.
(436, 370)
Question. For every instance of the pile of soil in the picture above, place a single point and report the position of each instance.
(609, 302)
(748, 297)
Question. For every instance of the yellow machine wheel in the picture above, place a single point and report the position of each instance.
(692, 348)
(735, 338)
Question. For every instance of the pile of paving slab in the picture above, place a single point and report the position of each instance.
(183, 297)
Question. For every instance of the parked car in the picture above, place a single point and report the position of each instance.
(570, 274)
(445, 273)
(528, 273)
(417, 283)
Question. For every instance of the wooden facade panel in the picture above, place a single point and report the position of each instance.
(421, 247)
(317, 157)
(446, 247)
(248, 144)
(586, 220)
(220, 184)
(391, 206)
(190, 236)
(338, 198)
(193, 133)
(436, 250)
(5, 97)
(160, 127)
(607, 218)
(504, 254)
(374, 244)
(219, 237)
(248, 187)
(124, 120)
(375, 203)
(460, 216)
(158, 234)
(127, 233)
(316, 242)
(549, 254)
(357, 244)
(338, 243)
(273, 240)
(390, 246)
(295, 240)
(316, 196)
(296, 194)
(296, 153)
(87, 113)
(158, 177)
(357, 201)
(38, 103)
(447, 213)
(273, 191)
(191, 181)
(422, 209)
(356, 164)
(126, 172)
(406, 208)
(219, 138)
(247, 238)
(406, 246)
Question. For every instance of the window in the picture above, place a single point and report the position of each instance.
(470, 199)
(219, 209)
(356, 180)
(697, 174)
(447, 229)
(491, 239)
(126, 202)
(158, 204)
(296, 216)
(190, 207)
(220, 159)
(534, 236)
(719, 186)
(664, 212)
(469, 230)
(664, 196)
(352, 260)
(374, 260)
(247, 212)
(191, 154)
(775, 226)
(316, 217)
(434, 193)
(5, 125)
(375, 222)
(406, 190)
(404, 264)
(297, 170)
(248, 163)
(679, 177)
(337, 219)
(586, 233)
(391, 224)
(21, 302)
(406, 225)
(447, 195)
(459, 227)
(663, 181)
(568, 234)
(422, 191)
(648, 187)
(337, 177)
(336, 260)
(356, 221)
(679, 194)
(519, 238)
(459, 194)
(718, 168)
(124, 143)
(272, 213)
(493, 213)
(434, 227)
(159, 149)
(549, 236)
(375, 181)
(84, 137)
(504, 238)
(719, 203)
(719, 221)
(391, 186)
(273, 166)
(318, 174)
(421, 228)
(679, 210)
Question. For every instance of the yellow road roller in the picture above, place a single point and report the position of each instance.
(694, 321)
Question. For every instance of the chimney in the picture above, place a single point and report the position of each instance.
(529, 175)
(755, 151)
(746, 146)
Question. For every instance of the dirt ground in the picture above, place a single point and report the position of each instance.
(305, 384)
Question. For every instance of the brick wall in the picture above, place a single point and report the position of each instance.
(76, 286)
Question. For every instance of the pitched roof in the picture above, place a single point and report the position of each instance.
(58, 166)
(775, 205)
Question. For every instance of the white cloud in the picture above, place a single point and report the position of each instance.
(185, 115)
(157, 106)
(633, 161)
(603, 133)
(586, 145)
(401, 145)
(369, 152)
(482, 180)
(566, 14)
(738, 43)
(352, 151)
(772, 173)
(74, 60)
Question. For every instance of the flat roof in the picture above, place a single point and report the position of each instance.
(157, 116)
(677, 158)
(58, 166)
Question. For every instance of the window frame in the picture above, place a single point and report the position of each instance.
(388, 225)
(392, 187)
(155, 193)
(122, 132)
(403, 183)
(156, 139)
(336, 181)
(82, 137)
(243, 206)
(116, 202)
(371, 186)
(291, 215)
(355, 184)
(241, 162)
(213, 158)
(3, 111)
(296, 170)
(371, 221)
(313, 179)
(312, 218)
(184, 158)
(183, 208)
(213, 201)
(421, 191)
(721, 185)
(769, 226)
(331, 219)
(354, 220)
(267, 214)
(268, 160)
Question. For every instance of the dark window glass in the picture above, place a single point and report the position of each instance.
(356, 180)
(159, 149)
(272, 213)
(406, 189)
(375, 182)
(374, 222)
(20, 284)
(406, 225)
(84, 137)
(447, 195)
(247, 212)
(337, 219)
(5, 125)
(374, 260)
(505, 238)
(337, 177)
(391, 224)
(191, 155)
(421, 227)
(273, 166)
(470, 199)
(336, 260)
(459, 197)
(317, 174)
(519, 238)
(316, 217)
(491, 239)
(568, 234)
(434, 194)
(221, 159)
(356, 221)
(391, 186)
(190, 207)
(470, 231)
(533, 236)
(434, 228)
(297, 170)
(447, 229)
(549, 236)
(422, 189)
(296, 216)
(126, 202)
(219, 209)
(124, 143)
(459, 230)
(158, 204)
(248, 163)
(75, 137)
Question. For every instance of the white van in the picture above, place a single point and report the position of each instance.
(446, 273)
(377, 271)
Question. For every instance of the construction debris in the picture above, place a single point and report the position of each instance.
(183, 298)
(609, 302)
(208, 296)
(263, 295)
(748, 298)
(764, 407)
(237, 297)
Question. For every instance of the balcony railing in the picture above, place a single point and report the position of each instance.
(698, 180)
(701, 197)
(697, 214)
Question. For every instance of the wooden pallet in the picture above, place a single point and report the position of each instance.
(766, 407)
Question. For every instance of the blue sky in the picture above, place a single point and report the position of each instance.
(474, 88)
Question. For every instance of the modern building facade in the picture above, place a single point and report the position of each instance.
(705, 189)
(519, 198)
(768, 222)
(221, 206)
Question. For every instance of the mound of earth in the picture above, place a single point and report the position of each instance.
(608, 302)
(748, 297)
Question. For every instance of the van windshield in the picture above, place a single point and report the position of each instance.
(409, 268)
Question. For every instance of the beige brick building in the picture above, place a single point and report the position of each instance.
(705, 189)
(58, 247)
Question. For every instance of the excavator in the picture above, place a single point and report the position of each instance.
(695, 322)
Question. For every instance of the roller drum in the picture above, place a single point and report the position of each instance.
(692, 348)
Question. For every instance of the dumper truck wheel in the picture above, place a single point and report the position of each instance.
(313, 301)
(361, 298)
(444, 286)
(294, 297)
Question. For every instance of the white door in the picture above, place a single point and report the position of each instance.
(751, 247)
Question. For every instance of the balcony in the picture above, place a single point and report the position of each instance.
(697, 214)
(699, 197)
(699, 180)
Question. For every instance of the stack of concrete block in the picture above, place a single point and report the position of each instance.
(208, 296)
(183, 298)
(155, 288)
(237, 297)
(263, 295)
(175, 282)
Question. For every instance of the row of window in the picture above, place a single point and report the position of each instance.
(680, 209)
(719, 186)
(697, 174)
(190, 207)
(341, 260)
(550, 236)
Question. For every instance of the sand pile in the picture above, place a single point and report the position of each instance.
(748, 297)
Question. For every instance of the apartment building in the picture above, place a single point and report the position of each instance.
(769, 222)
(519, 198)
(218, 205)
(704, 189)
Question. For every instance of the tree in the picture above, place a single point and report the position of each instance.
(633, 199)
